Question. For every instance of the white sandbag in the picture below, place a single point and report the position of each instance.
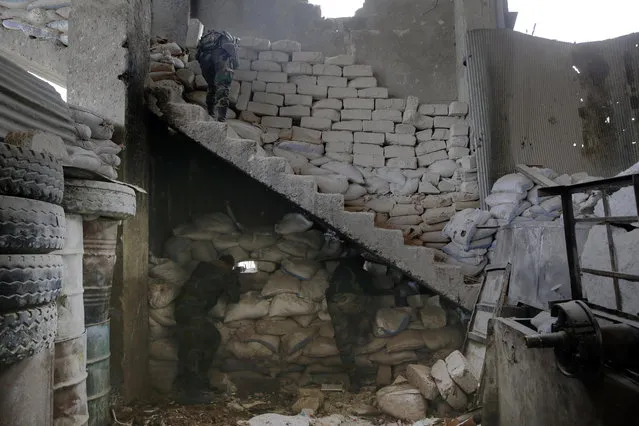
(250, 306)
(391, 175)
(219, 310)
(405, 341)
(435, 237)
(162, 293)
(254, 241)
(178, 249)
(293, 248)
(217, 222)
(246, 130)
(538, 213)
(304, 320)
(347, 170)
(321, 347)
(294, 159)
(551, 205)
(403, 401)
(354, 192)
(106, 147)
(313, 238)
(393, 358)
(508, 212)
(437, 215)
(463, 225)
(293, 222)
(481, 233)
(514, 182)
(276, 326)
(471, 257)
(332, 184)
(164, 316)
(409, 188)
(162, 374)
(444, 168)
(248, 350)
(301, 268)
(497, 198)
(315, 288)
(375, 185)
(310, 169)
(192, 232)
(158, 331)
(533, 196)
(482, 243)
(311, 151)
(171, 273)
(271, 254)
(203, 251)
(266, 266)
(290, 305)
(390, 322)
(270, 341)
(297, 340)
(225, 332)
(164, 350)
(280, 283)
(622, 202)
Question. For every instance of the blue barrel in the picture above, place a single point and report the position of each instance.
(98, 373)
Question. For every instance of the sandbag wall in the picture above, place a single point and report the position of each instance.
(43, 19)
(281, 326)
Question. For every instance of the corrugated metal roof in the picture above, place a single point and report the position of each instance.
(566, 106)
(27, 103)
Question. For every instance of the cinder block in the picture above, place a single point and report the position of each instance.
(451, 393)
(298, 68)
(363, 82)
(461, 372)
(259, 86)
(328, 104)
(356, 103)
(346, 147)
(353, 71)
(303, 79)
(342, 92)
(331, 81)
(400, 139)
(262, 109)
(295, 99)
(394, 151)
(458, 109)
(370, 138)
(457, 141)
(366, 160)
(337, 136)
(402, 163)
(255, 43)
(351, 125)
(296, 111)
(234, 91)
(331, 114)
(456, 152)
(272, 77)
(447, 122)
(310, 57)
(468, 163)
(380, 126)
(427, 147)
(245, 96)
(269, 55)
(440, 109)
(373, 92)
(368, 149)
(277, 122)
(405, 129)
(441, 133)
(426, 109)
(316, 91)
(386, 114)
(268, 98)
(428, 159)
(394, 103)
(424, 135)
(245, 53)
(266, 66)
(341, 60)
(281, 88)
(307, 135)
(244, 64)
(356, 114)
(243, 75)
(423, 122)
(322, 69)
(288, 46)
(459, 129)
(316, 123)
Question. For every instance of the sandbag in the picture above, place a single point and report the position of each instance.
(374, 345)
(162, 293)
(158, 331)
(250, 306)
(217, 222)
(192, 232)
(444, 168)
(332, 184)
(288, 305)
(219, 310)
(437, 215)
(486, 232)
(297, 340)
(171, 273)
(226, 241)
(390, 322)
(343, 169)
(551, 205)
(463, 225)
(514, 182)
(276, 326)
(391, 175)
(269, 341)
(304, 320)
(315, 288)
(280, 283)
(405, 341)
(393, 358)
(313, 238)
(311, 151)
(164, 350)
(321, 347)
(293, 222)
(203, 251)
(162, 374)
(508, 212)
(447, 337)
(408, 188)
(178, 249)
(256, 241)
(271, 254)
(533, 196)
(293, 248)
(249, 350)
(435, 237)
(164, 316)
(403, 401)
(482, 243)
(237, 253)
(497, 198)
(106, 147)
(301, 268)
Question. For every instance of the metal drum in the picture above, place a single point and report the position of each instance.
(100, 240)
(98, 369)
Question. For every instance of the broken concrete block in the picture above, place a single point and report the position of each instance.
(423, 122)
(379, 126)
(449, 391)
(399, 139)
(386, 114)
(459, 129)
(456, 152)
(367, 160)
(356, 114)
(351, 125)
(353, 71)
(288, 46)
(402, 401)
(316, 91)
(424, 135)
(363, 82)
(367, 149)
(405, 129)
(457, 141)
(428, 159)
(268, 98)
(307, 135)
(331, 114)
(338, 146)
(298, 68)
(310, 57)
(295, 111)
(373, 92)
(255, 43)
(272, 77)
(281, 88)
(419, 376)
(316, 123)
(356, 103)
(433, 317)
(259, 86)
(337, 136)
(446, 122)
(341, 60)
(266, 66)
(427, 188)
(342, 92)
(262, 109)
(370, 138)
(295, 99)
(429, 146)
(331, 81)
(269, 55)
(331, 70)
(458, 109)
(393, 151)
(277, 122)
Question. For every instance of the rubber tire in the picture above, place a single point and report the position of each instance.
(30, 174)
(96, 198)
(30, 226)
(26, 332)
(28, 280)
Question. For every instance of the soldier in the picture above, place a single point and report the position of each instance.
(217, 55)
(198, 339)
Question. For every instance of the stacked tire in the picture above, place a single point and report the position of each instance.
(32, 225)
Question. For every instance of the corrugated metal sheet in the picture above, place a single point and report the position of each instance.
(570, 107)
(27, 103)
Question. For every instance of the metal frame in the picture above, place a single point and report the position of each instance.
(605, 186)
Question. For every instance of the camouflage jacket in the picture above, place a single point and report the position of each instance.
(222, 46)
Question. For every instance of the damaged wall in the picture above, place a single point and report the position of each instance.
(409, 43)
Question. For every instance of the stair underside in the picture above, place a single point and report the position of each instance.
(275, 172)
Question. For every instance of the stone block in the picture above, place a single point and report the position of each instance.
(341, 60)
(427, 147)
(298, 68)
(440, 109)
(245, 53)
(259, 86)
(288, 46)
(405, 129)
(400, 139)
(446, 122)
(450, 392)
(457, 141)
(234, 91)
(249, 117)
(342, 92)
(459, 129)
(368, 149)
(356, 114)
(467, 163)
(281, 88)
(356, 103)
(328, 104)
(296, 111)
(316, 123)
(423, 122)
(268, 98)
(379, 126)
(363, 82)
(447, 185)
(262, 109)
(331, 70)
(306, 135)
(336, 146)
(426, 109)
(342, 157)
(245, 96)
(316, 91)
(244, 64)
(266, 66)
(419, 376)
(353, 71)
(303, 80)
(458, 109)
(393, 151)
(428, 159)
(337, 136)
(351, 125)
(331, 81)
(427, 188)
(272, 77)
(243, 75)
(200, 83)
(193, 32)
(384, 375)
(386, 114)
(469, 188)
(366, 160)
(331, 114)
(255, 43)
(373, 92)
(295, 99)
(310, 57)
(456, 152)
(441, 134)
(277, 122)
(402, 163)
(424, 135)
(269, 55)
(195, 67)
(461, 372)
(393, 103)
(433, 317)
(371, 138)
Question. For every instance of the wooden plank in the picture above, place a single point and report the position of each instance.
(536, 177)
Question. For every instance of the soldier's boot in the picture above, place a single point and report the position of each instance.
(221, 114)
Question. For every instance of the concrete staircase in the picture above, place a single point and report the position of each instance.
(275, 172)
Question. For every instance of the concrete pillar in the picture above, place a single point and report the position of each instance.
(195, 31)
(171, 19)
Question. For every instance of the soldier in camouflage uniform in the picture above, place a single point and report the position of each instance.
(198, 339)
(217, 55)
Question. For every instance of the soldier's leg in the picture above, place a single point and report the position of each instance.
(210, 99)
(222, 94)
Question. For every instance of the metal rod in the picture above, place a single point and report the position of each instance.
(571, 247)
(612, 219)
(611, 274)
(611, 250)
(549, 340)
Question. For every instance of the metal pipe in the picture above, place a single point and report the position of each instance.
(549, 340)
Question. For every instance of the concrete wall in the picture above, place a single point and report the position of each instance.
(410, 43)
(170, 19)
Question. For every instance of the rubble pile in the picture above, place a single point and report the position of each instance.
(43, 19)
(409, 163)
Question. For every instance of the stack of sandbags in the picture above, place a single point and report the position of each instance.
(39, 19)
(93, 148)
